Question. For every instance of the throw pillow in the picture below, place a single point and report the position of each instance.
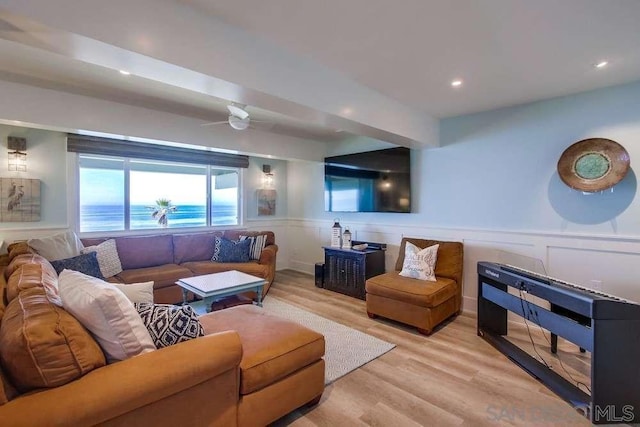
(86, 263)
(170, 324)
(137, 292)
(107, 313)
(257, 245)
(60, 246)
(108, 258)
(225, 250)
(420, 263)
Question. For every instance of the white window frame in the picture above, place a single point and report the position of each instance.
(73, 178)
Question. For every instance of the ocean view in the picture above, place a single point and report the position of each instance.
(111, 217)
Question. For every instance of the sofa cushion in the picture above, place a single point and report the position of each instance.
(108, 259)
(194, 246)
(32, 271)
(207, 267)
(272, 348)
(169, 324)
(7, 390)
(145, 251)
(60, 246)
(225, 250)
(83, 263)
(107, 313)
(43, 345)
(412, 291)
(162, 275)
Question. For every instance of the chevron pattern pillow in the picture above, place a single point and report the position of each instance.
(169, 324)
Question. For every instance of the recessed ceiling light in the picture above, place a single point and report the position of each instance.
(125, 73)
(456, 83)
(602, 64)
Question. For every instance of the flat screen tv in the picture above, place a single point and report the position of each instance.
(373, 181)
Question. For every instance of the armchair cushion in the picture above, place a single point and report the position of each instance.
(411, 291)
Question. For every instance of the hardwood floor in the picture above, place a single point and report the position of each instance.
(451, 378)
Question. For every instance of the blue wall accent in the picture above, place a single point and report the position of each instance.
(497, 170)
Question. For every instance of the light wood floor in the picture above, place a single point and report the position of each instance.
(451, 378)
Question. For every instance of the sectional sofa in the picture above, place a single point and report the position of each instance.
(169, 257)
(248, 370)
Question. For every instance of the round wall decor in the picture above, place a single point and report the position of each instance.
(593, 164)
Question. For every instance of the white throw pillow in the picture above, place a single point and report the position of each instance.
(107, 313)
(108, 259)
(420, 263)
(137, 292)
(61, 246)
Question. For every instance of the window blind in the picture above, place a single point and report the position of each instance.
(86, 144)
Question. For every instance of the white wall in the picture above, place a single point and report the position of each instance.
(493, 185)
(46, 161)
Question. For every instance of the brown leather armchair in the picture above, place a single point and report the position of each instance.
(419, 303)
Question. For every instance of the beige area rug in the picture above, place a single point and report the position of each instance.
(346, 348)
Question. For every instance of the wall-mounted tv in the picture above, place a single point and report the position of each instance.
(373, 181)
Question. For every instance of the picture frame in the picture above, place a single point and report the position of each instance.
(266, 202)
(19, 200)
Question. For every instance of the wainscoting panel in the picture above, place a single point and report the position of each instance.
(613, 261)
(613, 272)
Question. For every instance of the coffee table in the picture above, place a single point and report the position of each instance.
(218, 285)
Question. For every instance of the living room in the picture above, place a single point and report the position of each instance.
(487, 178)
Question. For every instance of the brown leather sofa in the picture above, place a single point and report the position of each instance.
(249, 370)
(419, 303)
(169, 257)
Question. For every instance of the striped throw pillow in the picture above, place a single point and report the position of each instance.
(257, 245)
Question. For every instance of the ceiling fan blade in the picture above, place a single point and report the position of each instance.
(215, 123)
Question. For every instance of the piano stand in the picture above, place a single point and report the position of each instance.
(554, 344)
(606, 326)
(583, 320)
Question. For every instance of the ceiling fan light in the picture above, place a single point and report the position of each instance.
(237, 111)
(238, 123)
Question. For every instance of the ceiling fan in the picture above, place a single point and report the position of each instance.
(238, 118)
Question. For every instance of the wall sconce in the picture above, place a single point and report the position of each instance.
(267, 179)
(17, 153)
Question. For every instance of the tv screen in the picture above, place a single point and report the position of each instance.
(373, 181)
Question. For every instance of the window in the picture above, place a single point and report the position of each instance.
(134, 194)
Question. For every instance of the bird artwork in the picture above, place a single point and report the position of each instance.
(19, 200)
(16, 192)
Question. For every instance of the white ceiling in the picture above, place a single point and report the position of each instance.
(507, 52)
(399, 57)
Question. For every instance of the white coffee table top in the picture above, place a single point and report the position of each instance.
(213, 284)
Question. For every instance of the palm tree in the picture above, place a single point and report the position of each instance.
(161, 211)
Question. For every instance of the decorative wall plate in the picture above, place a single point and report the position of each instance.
(593, 164)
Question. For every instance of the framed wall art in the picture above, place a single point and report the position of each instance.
(19, 200)
(266, 202)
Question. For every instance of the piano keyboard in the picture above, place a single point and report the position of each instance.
(553, 280)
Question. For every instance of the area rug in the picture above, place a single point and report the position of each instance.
(345, 348)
